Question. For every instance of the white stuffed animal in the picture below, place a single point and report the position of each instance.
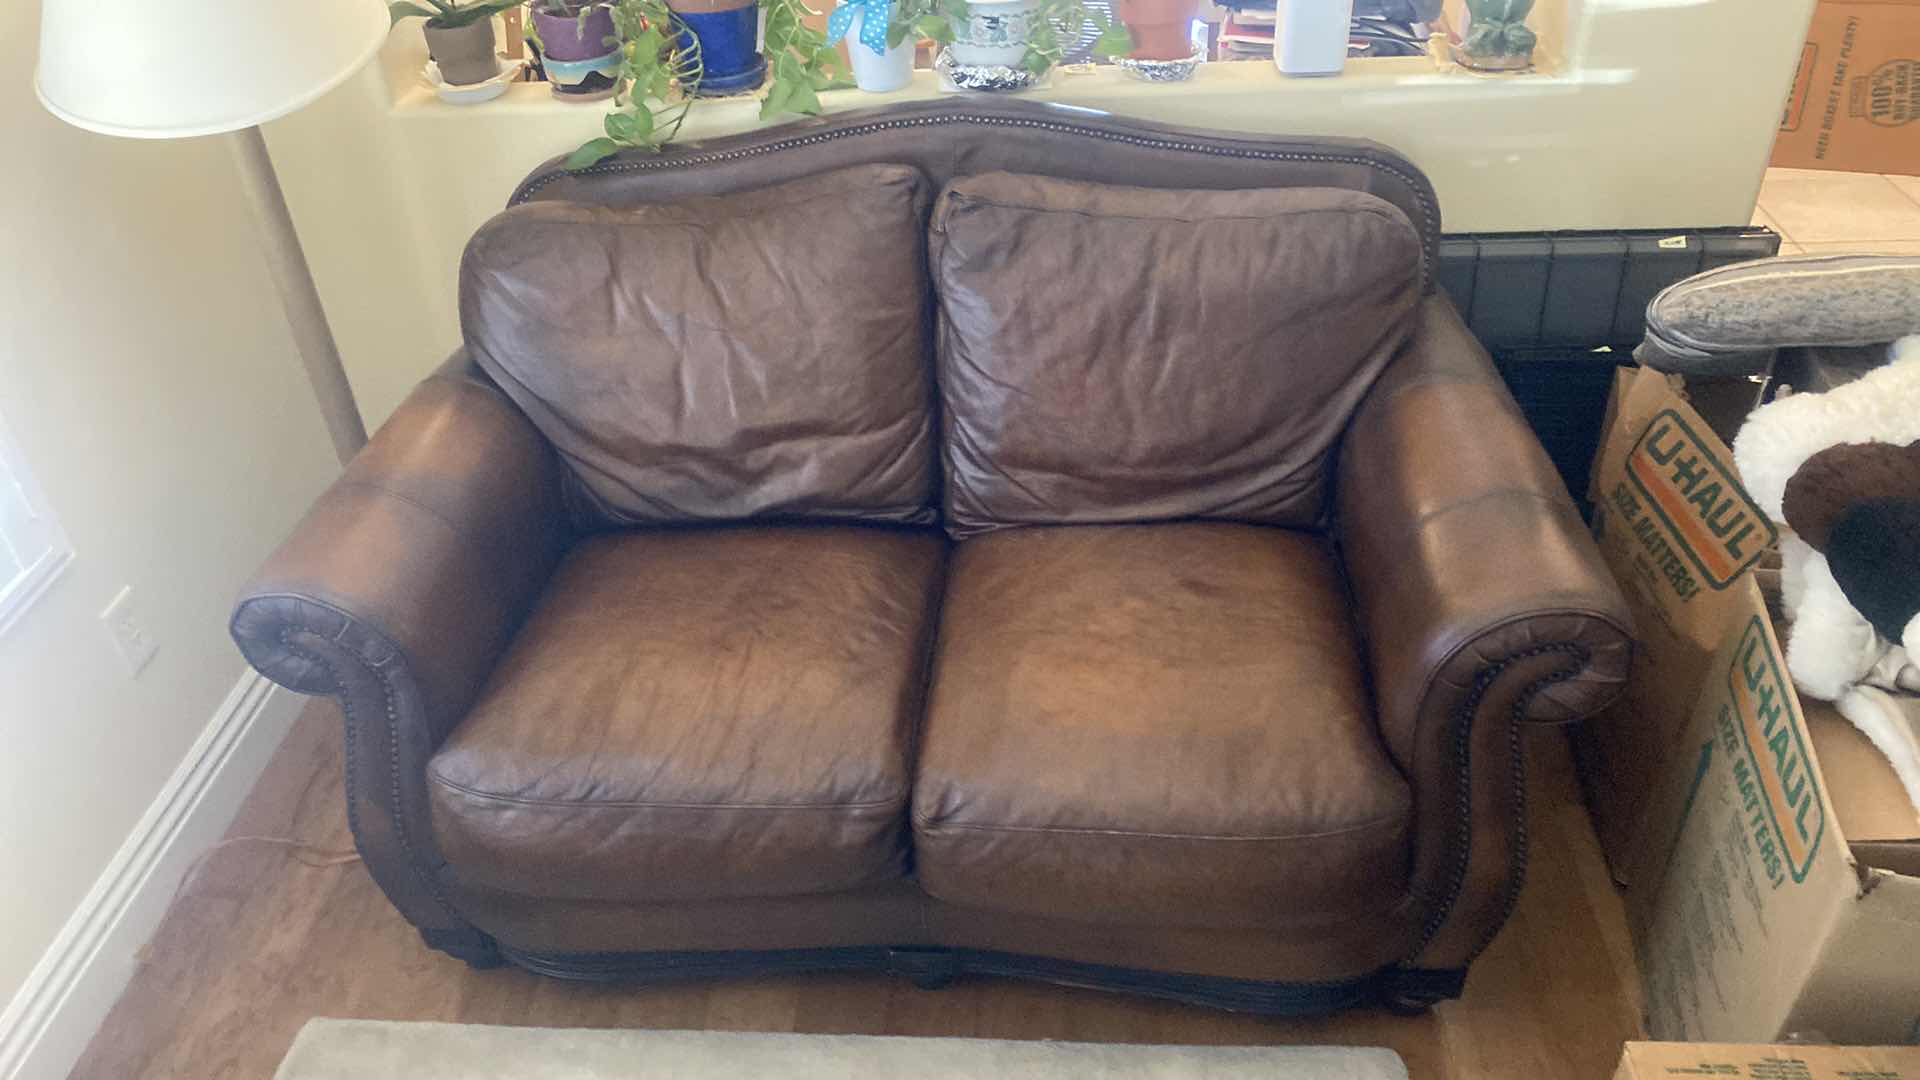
(1841, 470)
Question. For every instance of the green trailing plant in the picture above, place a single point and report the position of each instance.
(903, 20)
(1499, 28)
(660, 69)
(1064, 22)
(799, 59)
(937, 22)
(1114, 41)
(1058, 23)
(449, 14)
(660, 73)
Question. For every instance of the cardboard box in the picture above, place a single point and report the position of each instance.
(1679, 533)
(1769, 851)
(1664, 1061)
(1766, 923)
(1856, 94)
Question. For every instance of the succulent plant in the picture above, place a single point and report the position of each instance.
(1499, 28)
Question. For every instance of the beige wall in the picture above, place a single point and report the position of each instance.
(147, 374)
(1648, 114)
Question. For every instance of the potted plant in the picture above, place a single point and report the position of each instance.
(1158, 29)
(1496, 36)
(1011, 44)
(659, 72)
(797, 55)
(984, 33)
(663, 66)
(803, 63)
(459, 36)
(880, 36)
(578, 46)
(727, 33)
(730, 33)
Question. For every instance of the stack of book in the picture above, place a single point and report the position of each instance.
(1247, 33)
(1378, 29)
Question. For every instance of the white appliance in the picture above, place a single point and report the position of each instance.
(1312, 36)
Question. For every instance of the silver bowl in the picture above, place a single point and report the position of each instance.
(1161, 70)
(958, 76)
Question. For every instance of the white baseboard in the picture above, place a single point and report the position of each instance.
(47, 1026)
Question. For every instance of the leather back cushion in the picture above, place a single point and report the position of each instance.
(1113, 354)
(762, 354)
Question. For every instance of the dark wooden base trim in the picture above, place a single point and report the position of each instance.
(931, 968)
(1412, 991)
(477, 949)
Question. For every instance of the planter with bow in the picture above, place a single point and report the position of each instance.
(880, 41)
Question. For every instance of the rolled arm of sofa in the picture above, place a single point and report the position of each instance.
(1484, 604)
(396, 594)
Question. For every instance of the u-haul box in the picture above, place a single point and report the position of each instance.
(1770, 883)
(1765, 923)
(1680, 535)
(1667, 1061)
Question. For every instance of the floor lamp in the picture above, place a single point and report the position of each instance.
(149, 70)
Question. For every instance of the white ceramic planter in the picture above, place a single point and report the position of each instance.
(879, 73)
(995, 33)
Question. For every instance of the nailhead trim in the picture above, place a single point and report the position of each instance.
(395, 806)
(1429, 211)
(1463, 733)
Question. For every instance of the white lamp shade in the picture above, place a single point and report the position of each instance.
(165, 69)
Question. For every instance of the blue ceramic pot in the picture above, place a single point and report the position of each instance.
(729, 44)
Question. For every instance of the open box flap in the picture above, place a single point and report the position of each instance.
(1861, 988)
(1866, 793)
(1869, 803)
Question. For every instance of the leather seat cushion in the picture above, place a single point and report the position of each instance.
(761, 354)
(1113, 354)
(1155, 725)
(698, 714)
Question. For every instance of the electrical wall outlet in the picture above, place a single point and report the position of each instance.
(130, 638)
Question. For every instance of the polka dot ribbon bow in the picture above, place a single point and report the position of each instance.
(873, 23)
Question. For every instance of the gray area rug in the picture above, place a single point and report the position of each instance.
(382, 1050)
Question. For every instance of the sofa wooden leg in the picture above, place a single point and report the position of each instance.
(1415, 991)
(477, 949)
(928, 969)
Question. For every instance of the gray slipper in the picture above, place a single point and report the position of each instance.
(1729, 321)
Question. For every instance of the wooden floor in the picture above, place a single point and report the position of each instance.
(259, 943)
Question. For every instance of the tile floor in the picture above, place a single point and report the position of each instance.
(1833, 212)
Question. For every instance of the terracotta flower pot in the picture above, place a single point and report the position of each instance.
(1161, 29)
(464, 54)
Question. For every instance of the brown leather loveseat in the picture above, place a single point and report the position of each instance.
(967, 537)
